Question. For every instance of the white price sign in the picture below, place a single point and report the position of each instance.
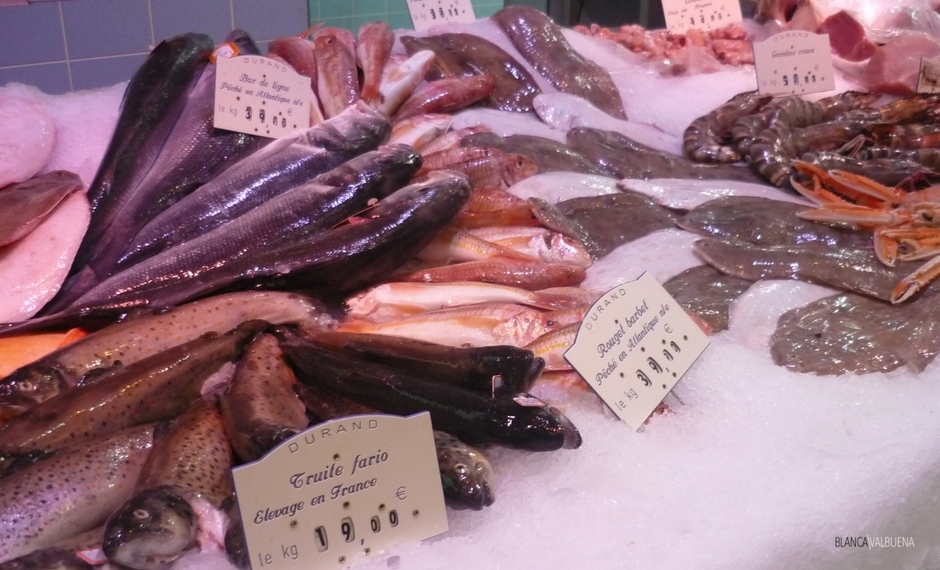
(928, 79)
(341, 490)
(257, 95)
(634, 344)
(794, 63)
(683, 15)
(427, 13)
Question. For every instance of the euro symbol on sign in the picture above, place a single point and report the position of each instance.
(667, 328)
(401, 494)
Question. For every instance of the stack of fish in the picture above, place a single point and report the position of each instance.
(394, 256)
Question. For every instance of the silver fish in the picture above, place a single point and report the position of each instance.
(36, 511)
(282, 165)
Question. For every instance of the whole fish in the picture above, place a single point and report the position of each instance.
(707, 292)
(520, 421)
(187, 475)
(393, 300)
(850, 269)
(299, 53)
(26, 204)
(471, 325)
(450, 139)
(628, 159)
(156, 388)
(493, 370)
(461, 54)
(373, 47)
(531, 275)
(282, 165)
(341, 259)
(445, 96)
(466, 475)
(101, 473)
(540, 243)
(154, 99)
(541, 42)
(194, 153)
(856, 334)
(767, 222)
(615, 219)
(455, 245)
(493, 168)
(549, 155)
(136, 338)
(260, 407)
(337, 75)
(300, 212)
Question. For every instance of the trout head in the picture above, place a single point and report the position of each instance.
(28, 386)
(151, 530)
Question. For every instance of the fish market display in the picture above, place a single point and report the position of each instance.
(432, 242)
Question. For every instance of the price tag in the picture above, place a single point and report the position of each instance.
(794, 63)
(683, 15)
(341, 490)
(634, 344)
(427, 13)
(260, 96)
(928, 79)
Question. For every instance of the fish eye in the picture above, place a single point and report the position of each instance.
(460, 468)
(26, 386)
(141, 514)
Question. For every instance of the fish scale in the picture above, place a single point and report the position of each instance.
(95, 478)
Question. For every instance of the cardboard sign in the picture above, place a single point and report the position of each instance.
(341, 490)
(928, 79)
(683, 15)
(427, 13)
(794, 63)
(634, 344)
(257, 95)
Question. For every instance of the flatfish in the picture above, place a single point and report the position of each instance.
(844, 268)
(707, 292)
(541, 42)
(767, 222)
(852, 333)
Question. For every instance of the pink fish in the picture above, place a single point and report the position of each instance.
(446, 96)
(337, 74)
(372, 52)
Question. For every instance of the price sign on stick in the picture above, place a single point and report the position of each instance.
(794, 63)
(341, 490)
(633, 346)
(427, 13)
(683, 15)
(259, 96)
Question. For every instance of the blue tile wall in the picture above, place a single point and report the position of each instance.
(84, 44)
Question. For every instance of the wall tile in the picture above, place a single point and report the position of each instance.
(99, 28)
(368, 7)
(52, 78)
(94, 73)
(173, 17)
(271, 19)
(31, 34)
